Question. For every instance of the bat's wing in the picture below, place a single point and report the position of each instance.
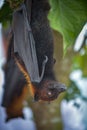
(24, 44)
(14, 83)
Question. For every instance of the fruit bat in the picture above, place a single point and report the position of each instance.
(24, 51)
(37, 71)
(33, 58)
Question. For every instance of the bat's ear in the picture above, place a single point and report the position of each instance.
(36, 97)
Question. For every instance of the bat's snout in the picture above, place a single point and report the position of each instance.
(61, 87)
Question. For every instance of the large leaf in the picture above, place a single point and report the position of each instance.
(68, 17)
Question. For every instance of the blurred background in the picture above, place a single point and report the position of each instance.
(68, 112)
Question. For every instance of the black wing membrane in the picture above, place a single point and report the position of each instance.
(14, 83)
(24, 44)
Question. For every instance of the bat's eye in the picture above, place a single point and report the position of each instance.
(49, 93)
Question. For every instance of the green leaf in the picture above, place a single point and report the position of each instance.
(68, 17)
(5, 13)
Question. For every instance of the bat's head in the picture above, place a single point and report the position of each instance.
(49, 90)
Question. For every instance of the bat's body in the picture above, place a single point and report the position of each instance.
(46, 88)
(44, 47)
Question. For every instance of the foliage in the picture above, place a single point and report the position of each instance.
(72, 91)
(80, 61)
(5, 13)
(68, 17)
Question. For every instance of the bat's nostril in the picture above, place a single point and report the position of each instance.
(62, 88)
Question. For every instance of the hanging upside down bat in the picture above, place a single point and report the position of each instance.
(34, 50)
(31, 48)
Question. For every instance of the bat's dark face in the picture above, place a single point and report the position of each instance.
(50, 90)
